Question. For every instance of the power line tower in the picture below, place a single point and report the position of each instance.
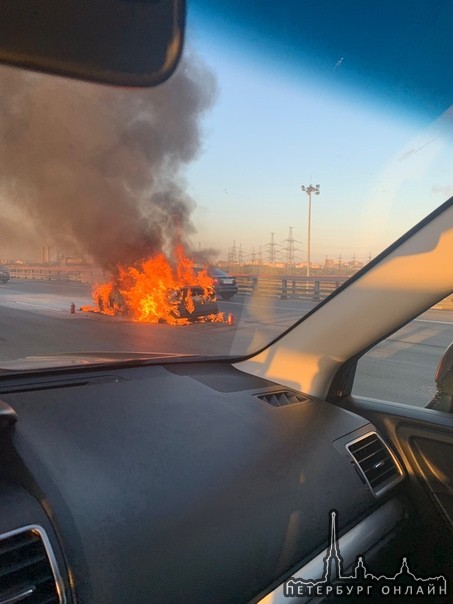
(234, 253)
(240, 255)
(272, 246)
(290, 249)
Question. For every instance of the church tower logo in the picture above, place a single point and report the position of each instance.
(363, 583)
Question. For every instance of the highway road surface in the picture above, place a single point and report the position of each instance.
(35, 319)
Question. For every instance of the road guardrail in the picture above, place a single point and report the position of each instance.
(289, 287)
(284, 287)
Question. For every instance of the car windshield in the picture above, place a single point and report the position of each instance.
(205, 216)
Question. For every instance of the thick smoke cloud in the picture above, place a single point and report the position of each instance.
(97, 169)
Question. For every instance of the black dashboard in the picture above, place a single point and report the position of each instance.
(187, 482)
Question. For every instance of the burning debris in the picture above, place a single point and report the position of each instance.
(156, 290)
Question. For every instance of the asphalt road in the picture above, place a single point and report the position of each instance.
(35, 319)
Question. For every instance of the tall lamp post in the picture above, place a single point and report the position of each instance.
(309, 190)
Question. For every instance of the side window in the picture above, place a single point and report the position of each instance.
(402, 368)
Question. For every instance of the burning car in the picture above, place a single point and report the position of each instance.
(159, 291)
(186, 303)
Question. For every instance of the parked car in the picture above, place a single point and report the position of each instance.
(225, 286)
(5, 275)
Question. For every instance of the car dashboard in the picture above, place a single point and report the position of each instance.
(182, 482)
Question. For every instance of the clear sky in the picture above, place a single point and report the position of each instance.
(381, 167)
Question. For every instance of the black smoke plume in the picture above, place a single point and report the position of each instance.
(98, 169)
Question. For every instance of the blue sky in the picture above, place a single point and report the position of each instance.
(381, 168)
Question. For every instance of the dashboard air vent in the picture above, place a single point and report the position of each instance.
(27, 568)
(281, 399)
(375, 462)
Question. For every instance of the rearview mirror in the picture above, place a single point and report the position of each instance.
(123, 42)
(443, 399)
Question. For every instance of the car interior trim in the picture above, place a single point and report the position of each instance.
(50, 555)
(377, 492)
(357, 541)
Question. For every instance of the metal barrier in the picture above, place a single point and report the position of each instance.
(285, 287)
(289, 287)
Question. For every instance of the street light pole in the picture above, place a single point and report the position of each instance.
(309, 190)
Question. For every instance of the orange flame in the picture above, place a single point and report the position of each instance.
(156, 291)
